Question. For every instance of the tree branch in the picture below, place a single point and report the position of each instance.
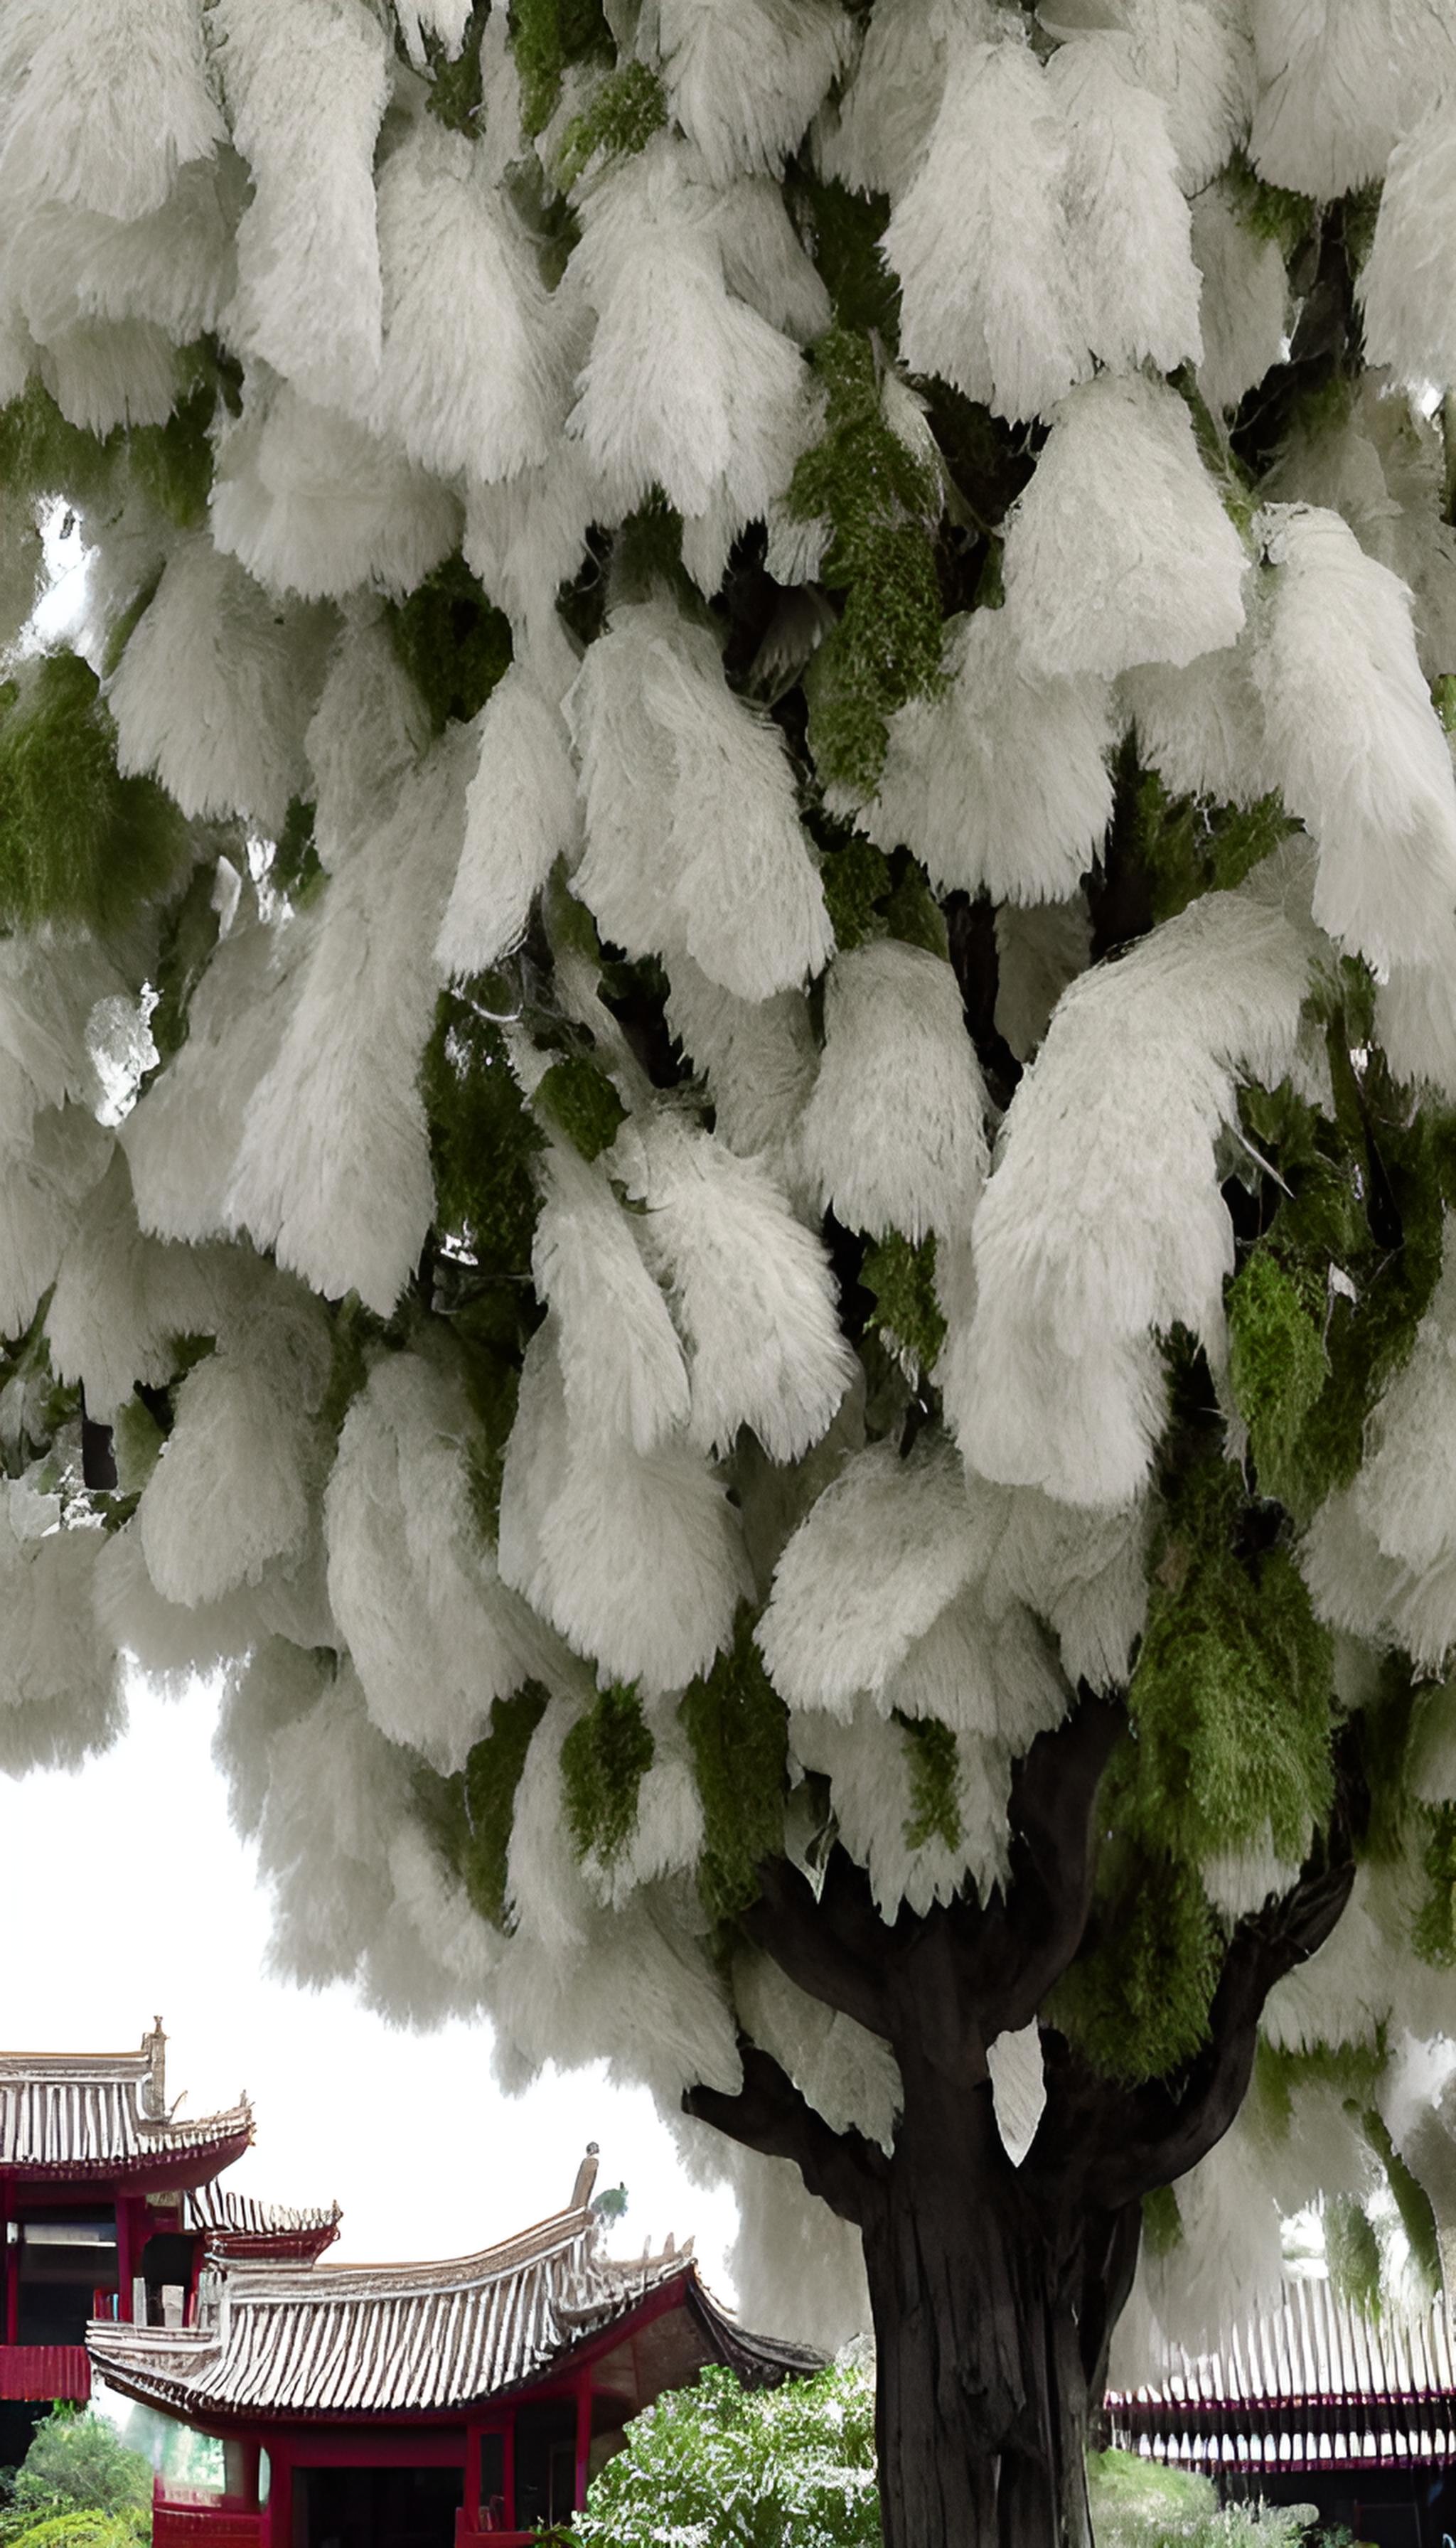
(768, 2114)
(1154, 2134)
(1052, 1855)
(834, 1946)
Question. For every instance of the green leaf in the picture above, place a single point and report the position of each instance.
(604, 1762)
(736, 1728)
(492, 1775)
(627, 110)
(935, 1782)
(882, 502)
(79, 844)
(576, 1096)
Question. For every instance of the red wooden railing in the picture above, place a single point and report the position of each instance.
(183, 2516)
(41, 2372)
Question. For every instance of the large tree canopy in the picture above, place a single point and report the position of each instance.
(727, 1039)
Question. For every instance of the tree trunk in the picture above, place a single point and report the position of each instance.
(992, 2315)
(995, 2289)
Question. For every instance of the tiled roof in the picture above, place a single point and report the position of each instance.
(371, 2340)
(237, 2224)
(85, 2113)
(1312, 2384)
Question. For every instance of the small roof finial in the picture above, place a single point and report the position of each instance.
(155, 2085)
(585, 2179)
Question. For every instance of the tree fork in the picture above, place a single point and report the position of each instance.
(995, 2290)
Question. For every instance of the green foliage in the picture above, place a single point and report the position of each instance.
(604, 1762)
(900, 1279)
(1162, 2222)
(189, 935)
(871, 895)
(721, 2466)
(1436, 1921)
(88, 2527)
(1145, 2504)
(79, 845)
(78, 2462)
(1277, 1367)
(882, 503)
(1229, 1697)
(33, 1403)
(1352, 2068)
(911, 911)
(354, 1329)
(1136, 2000)
(1412, 2202)
(295, 866)
(934, 1760)
(173, 462)
(136, 1441)
(842, 231)
(856, 877)
(627, 110)
(456, 97)
(1365, 1195)
(1352, 2254)
(483, 1138)
(1270, 212)
(452, 641)
(580, 1100)
(737, 1729)
(488, 1785)
(491, 1323)
(40, 454)
(1190, 847)
(546, 34)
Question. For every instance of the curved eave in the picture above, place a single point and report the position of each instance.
(163, 2170)
(759, 2361)
(268, 2248)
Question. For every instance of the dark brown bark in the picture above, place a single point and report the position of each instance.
(994, 2289)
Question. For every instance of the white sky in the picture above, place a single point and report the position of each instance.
(124, 1890)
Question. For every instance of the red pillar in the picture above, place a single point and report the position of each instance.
(471, 2514)
(278, 2512)
(508, 2474)
(7, 2269)
(583, 2436)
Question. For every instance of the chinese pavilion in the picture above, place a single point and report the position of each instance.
(107, 2206)
(426, 2406)
(1315, 2402)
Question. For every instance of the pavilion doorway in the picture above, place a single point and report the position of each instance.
(376, 2507)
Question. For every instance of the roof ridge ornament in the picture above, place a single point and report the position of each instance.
(585, 2179)
(155, 2085)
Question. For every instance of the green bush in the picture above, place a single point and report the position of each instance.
(1139, 2504)
(78, 2487)
(720, 2466)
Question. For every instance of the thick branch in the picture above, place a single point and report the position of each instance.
(834, 1946)
(770, 2115)
(1053, 1854)
(1156, 2133)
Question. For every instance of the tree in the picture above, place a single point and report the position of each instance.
(719, 2466)
(695, 615)
(78, 2471)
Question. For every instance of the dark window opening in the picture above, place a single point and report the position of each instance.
(63, 2260)
(492, 2482)
(376, 2507)
(166, 2263)
(545, 2464)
